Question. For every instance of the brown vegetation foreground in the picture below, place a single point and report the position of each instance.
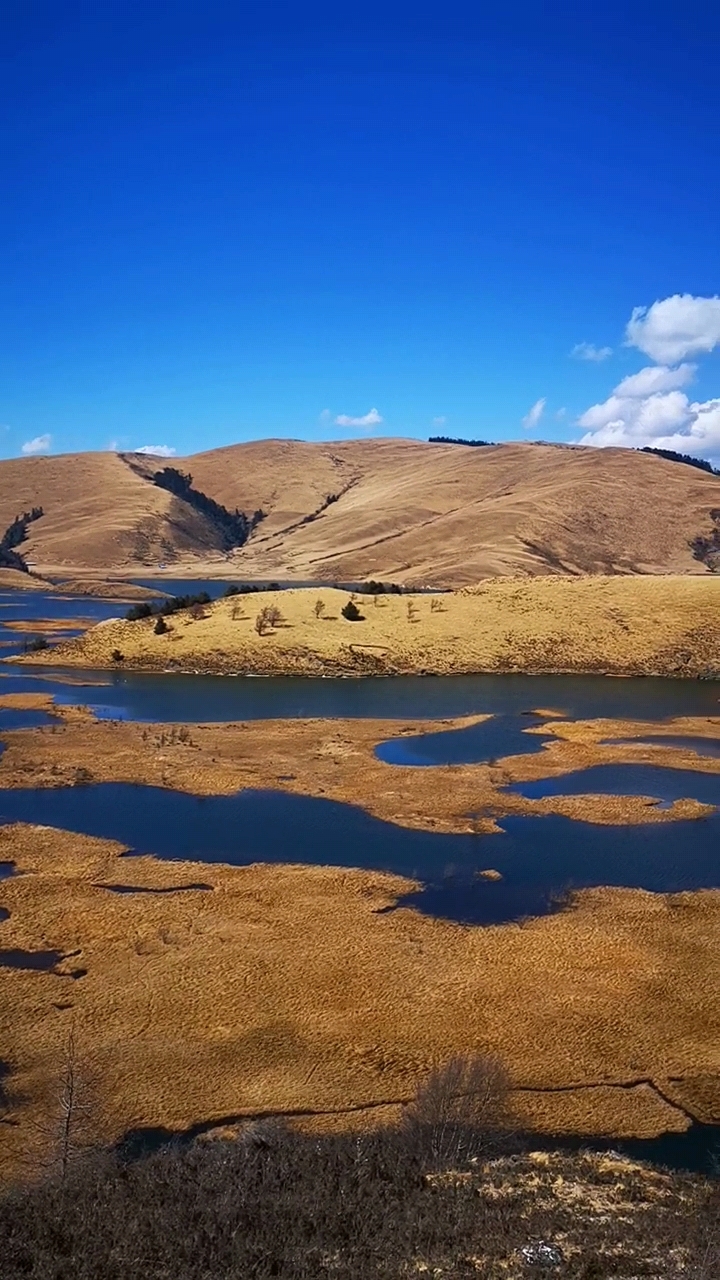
(668, 626)
(370, 1208)
(290, 990)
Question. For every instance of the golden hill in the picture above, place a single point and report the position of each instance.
(620, 625)
(402, 510)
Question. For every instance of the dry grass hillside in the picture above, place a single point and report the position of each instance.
(665, 626)
(403, 510)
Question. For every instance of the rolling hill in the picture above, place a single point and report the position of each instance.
(393, 509)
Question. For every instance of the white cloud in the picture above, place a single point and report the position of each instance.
(370, 419)
(560, 414)
(653, 379)
(675, 327)
(533, 416)
(588, 351)
(439, 422)
(325, 416)
(157, 450)
(41, 444)
(648, 408)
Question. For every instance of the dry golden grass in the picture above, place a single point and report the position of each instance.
(284, 989)
(407, 511)
(619, 625)
(14, 580)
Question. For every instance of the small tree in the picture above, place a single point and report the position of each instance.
(161, 626)
(460, 1108)
(118, 656)
(319, 608)
(351, 612)
(268, 617)
(68, 1128)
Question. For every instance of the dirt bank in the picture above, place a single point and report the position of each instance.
(665, 626)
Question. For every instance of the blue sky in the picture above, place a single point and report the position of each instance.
(225, 221)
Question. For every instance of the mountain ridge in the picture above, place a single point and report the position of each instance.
(401, 510)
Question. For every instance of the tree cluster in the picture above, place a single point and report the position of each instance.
(233, 527)
(474, 444)
(373, 588)
(165, 608)
(671, 456)
(13, 536)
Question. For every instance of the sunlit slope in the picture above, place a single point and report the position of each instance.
(98, 514)
(447, 514)
(400, 510)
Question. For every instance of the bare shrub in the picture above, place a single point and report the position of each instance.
(460, 1109)
(197, 612)
(437, 606)
(412, 611)
(319, 608)
(67, 1130)
(268, 617)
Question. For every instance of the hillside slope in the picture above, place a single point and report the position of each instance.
(400, 510)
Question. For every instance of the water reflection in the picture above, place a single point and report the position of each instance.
(540, 859)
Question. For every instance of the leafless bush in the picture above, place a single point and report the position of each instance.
(412, 611)
(268, 617)
(437, 606)
(461, 1108)
(67, 1130)
(319, 608)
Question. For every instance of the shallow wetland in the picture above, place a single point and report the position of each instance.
(301, 892)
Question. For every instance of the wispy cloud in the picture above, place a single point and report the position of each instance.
(440, 422)
(675, 327)
(588, 351)
(40, 444)
(370, 419)
(157, 450)
(533, 416)
(561, 413)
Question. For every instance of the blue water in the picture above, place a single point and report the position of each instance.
(189, 698)
(501, 736)
(540, 859)
(16, 718)
(627, 780)
(34, 606)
